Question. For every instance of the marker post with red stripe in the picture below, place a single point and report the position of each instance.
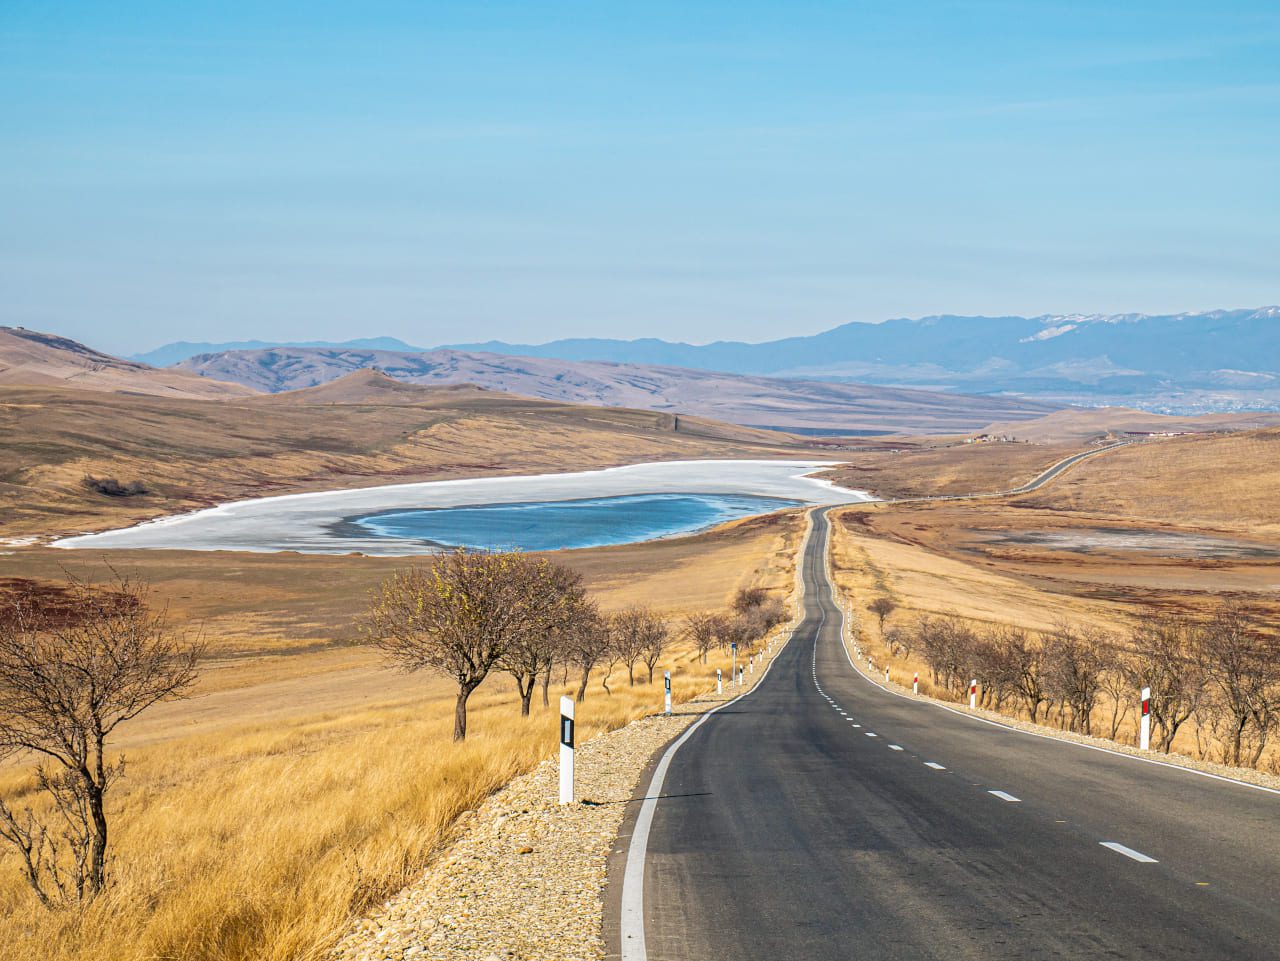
(1144, 726)
(973, 694)
(915, 683)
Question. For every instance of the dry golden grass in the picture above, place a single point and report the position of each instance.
(306, 782)
(946, 468)
(1229, 481)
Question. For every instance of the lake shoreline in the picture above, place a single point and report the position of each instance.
(304, 521)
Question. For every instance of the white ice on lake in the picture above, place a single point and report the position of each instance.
(314, 522)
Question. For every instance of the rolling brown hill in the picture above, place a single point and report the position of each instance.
(34, 359)
(795, 405)
(175, 454)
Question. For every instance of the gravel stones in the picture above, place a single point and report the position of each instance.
(525, 879)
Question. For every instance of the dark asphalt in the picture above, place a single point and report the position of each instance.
(785, 832)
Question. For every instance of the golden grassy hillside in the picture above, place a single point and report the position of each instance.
(1228, 481)
(922, 470)
(305, 782)
(189, 454)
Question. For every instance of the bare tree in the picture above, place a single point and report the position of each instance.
(882, 607)
(656, 633)
(1163, 661)
(703, 630)
(461, 614)
(1243, 667)
(68, 678)
(587, 645)
(1072, 671)
(629, 630)
(532, 651)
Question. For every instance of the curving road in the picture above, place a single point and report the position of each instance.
(822, 817)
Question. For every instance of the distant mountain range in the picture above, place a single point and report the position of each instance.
(1215, 360)
(791, 404)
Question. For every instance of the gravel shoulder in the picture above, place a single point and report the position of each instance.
(525, 877)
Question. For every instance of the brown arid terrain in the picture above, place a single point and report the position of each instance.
(305, 781)
(31, 358)
(1172, 525)
(363, 431)
(789, 404)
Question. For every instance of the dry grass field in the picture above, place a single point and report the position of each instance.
(946, 467)
(189, 454)
(1176, 525)
(305, 781)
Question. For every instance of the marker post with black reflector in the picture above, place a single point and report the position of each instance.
(733, 648)
(719, 682)
(566, 750)
(666, 699)
(1144, 729)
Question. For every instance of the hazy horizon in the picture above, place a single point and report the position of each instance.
(451, 173)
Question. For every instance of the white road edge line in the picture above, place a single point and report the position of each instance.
(1128, 852)
(1004, 797)
(631, 924)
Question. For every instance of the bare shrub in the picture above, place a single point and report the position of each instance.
(113, 488)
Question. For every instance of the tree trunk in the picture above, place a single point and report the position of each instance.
(525, 684)
(546, 683)
(650, 673)
(582, 688)
(460, 711)
(631, 673)
(97, 871)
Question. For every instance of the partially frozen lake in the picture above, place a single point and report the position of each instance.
(537, 512)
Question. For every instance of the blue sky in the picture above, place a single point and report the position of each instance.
(449, 172)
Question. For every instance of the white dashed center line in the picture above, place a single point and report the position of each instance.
(1004, 797)
(1128, 852)
(869, 733)
(895, 747)
(935, 765)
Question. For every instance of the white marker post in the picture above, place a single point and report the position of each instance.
(566, 750)
(719, 682)
(666, 698)
(1144, 728)
(886, 675)
(733, 673)
(973, 694)
(915, 683)
(741, 681)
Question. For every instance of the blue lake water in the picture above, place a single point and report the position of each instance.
(553, 525)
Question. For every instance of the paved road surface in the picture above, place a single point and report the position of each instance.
(786, 830)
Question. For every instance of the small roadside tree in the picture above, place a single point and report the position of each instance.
(545, 636)
(587, 645)
(882, 607)
(629, 638)
(1163, 659)
(461, 614)
(656, 634)
(71, 672)
(703, 630)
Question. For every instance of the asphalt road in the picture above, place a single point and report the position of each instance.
(823, 817)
